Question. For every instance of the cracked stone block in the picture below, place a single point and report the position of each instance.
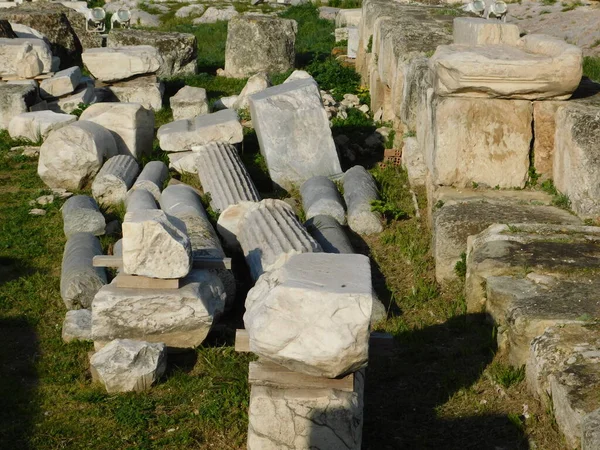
(152, 178)
(312, 314)
(126, 365)
(37, 125)
(224, 176)
(360, 190)
(564, 368)
(114, 180)
(181, 318)
(81, 215)
(77, 325)
(270, 231)
(79, 279)
(320, 197)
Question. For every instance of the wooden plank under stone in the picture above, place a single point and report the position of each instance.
(265, 373)
(138, 282)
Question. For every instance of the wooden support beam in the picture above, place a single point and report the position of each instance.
(199, 263)
(265, 373)
(107, 261)
(138, 282)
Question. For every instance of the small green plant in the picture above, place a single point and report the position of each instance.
(460, 269)
(474, 185)
(387, 210)
(333, 76)
(389, 142)
(244, 114)
(571, 6)
(505, 375)
(370, 45)
(548, 2)
(448, 12)
(533, 176)
(439, 204)
(515, 419)
(80, 109)
(591, 67)
(409, 134)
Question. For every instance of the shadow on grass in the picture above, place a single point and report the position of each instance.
(19, 349)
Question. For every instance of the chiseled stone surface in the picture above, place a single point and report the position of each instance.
(131, 124)
(359, 191)
(126, 365)
(79, 280)
(564, 367)
(223, 175)
(259, 43)
(293, 132)
(155, 245)
(114, 180)
(181, 318)
(62, 83)
(77, 325)
(269, 232)
(12, 50)
(536, 67)
(153, 176)
(81, 215)
(312, 314)
(320, 196)
(189, 102)
(114, 64)
(324, 419)
(182, 135)
(72, 155)
(14, 100)
(473, 31)
(37, 125)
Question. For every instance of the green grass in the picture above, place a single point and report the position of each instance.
(505, 375)
(571, 6)
(591, 67)
(558, 199)
(548, 2)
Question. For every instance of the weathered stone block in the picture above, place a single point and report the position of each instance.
(13, 50)
(14, 100)
(114, 180)
(114, 64)
(544, 128)
(473, 31)
(147, 91)
(37, 125)
(77, 326)
(189, 102)
(84, 94)
(414, 162)
(62, 83)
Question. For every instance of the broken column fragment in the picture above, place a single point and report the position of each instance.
(360, 191)
(320, 196)
(81, 215)
(140, 199)
(330, 235)
(114, 180)
(77, 325)
(152, 178)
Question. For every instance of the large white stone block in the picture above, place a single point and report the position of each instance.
(38, 125)
(12, 50)
(312, 314)
(119, 63)
(293, 132)
(189, 102)
(14, 100)
(476, 31)
(62, 83)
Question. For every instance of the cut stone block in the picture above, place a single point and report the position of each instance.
(189, 102)
(37, 125)
(537, 67)
(114, 64)
(182, 135)
(152, 178)
(84, 94)
(126, 365)
(320, 196)
(224, 176)
(258, 43)
(184, 162)
(72, 155)
(81, 215)
(77, 326)
(326, 419)
(131, 125)
(330, 235)
(414, 162)
(360, 191)
(155, 245)
(352, 42)
(27, 63)
(140, 199)
(79, 280)
(293, 132)
(12, 52)
(269, 232)
(14, 100)
(575, 165)
(62, 83)
(473, 31)
(256, 83)
(544, 127)
(181, 318)
(146, 92)
(312, 314)
(348, 17)
(114, 180)
(461, 214)
(483, 141)
(564, 366)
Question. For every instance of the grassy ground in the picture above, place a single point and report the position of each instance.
(443, 388)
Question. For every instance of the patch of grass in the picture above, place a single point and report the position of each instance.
(591, 67)
(558, 199)
(80, 109)
(448, 12)
(389, 142)
(345, 4)
(571, 6)
(335, 77)
(596, 43)
(505, 375)
(388, 211)
(548, 2)
(460, 268)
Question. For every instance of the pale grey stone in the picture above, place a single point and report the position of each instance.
(228, 224)
(189, 102)
(224, 176)
(37, 125)
(330, 235)
(114, 180)
(147, 92)
(320, 196)
(348, 17)
(12, 52)
(298, 75)
(84, 94)
(79, 280)
(360, 190)
(414, 162)
(184, 162)
(81, 215)
(62, 83)
(352, 42)
(190, 10)
(328, 12)
(114, 64)
(152, 178)
(14, 100)
(140, 199)
(225, 103)
(213, 15)
(256, 83)
(77, 325)
(126, 365)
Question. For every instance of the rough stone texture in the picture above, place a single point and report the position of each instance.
(152, 178)
(537, 67)
(461, 216)
(223, 175)
(72, 155)
(293, 132)
(330, 235)
(125, 365)
(320, 196)
(184, 162)
(348, 18)
(14, 100)
(312, 314)
(77, 326)
(147, 91)
(114, 64)
(79, 280)
(177, 51)
(359, 191)
(190, 10)
(214, 15)
(564, 366)
(328, 13)
(352, 42)
(256, 83)
(544, 127)
(181, 318)
(298, 75)
(62, 83)
(189, 102)
(414, 162)
(140, 199)
(257, 43)
(84, 94)
(324, 419)
(475, 140)
(473, 31)
(131, 125)
(114, 180)
(28, 63)
(6, 30)
(228, 224)
(37, 125)
(269, 232)
(182, 135)
(81, 215)
(590, 431)
(575, 165)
